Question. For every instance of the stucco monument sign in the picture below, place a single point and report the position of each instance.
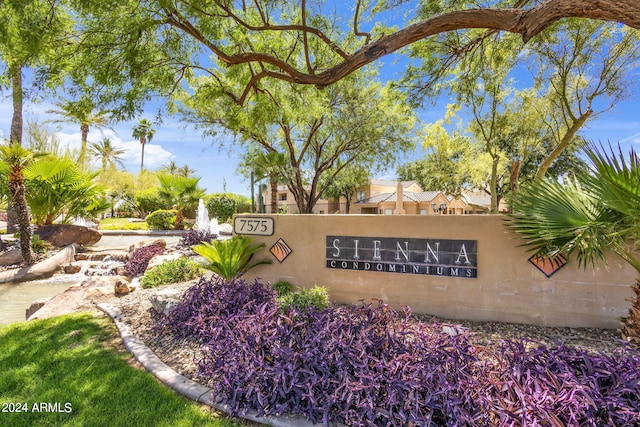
(432, 257)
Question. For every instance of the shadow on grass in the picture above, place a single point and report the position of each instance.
(62, 372)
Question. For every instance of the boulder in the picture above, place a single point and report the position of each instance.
(10, 257)
(226, 229)
(35, 306)
(165, 300)
(67, 234)
(122, 287)
(92, 291)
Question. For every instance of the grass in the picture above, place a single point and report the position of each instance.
(122, 224)
(70, 364)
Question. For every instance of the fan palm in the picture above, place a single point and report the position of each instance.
(182, 193)
(56, 187)
(594, 213)
(144, 132)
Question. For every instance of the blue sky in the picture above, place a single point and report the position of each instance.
(217, 165)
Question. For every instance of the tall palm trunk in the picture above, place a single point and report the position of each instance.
(15, 136)
(274, 195)
(631, 323)
(18, 200)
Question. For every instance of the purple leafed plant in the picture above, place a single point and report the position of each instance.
(140, 258)
(370, 365)
(194, 237)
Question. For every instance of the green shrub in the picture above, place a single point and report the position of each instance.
(282, 287)
(161, 219)
(229, 258)
(318, 297)
(40, 246)
(149, 200)
(172, 271)
(221, 207)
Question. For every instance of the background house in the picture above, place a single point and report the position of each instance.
(385, 197)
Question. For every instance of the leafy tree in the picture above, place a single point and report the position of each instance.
(319, 133)
(181, 193)
(144, 132)
(39, 139)
(347, 183)
(297, 41)
(29, 34)
(107, 153)
(596, 212)
(81, 113)
(585, 68)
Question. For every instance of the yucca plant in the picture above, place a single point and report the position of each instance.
(232, 257)
(595, 212)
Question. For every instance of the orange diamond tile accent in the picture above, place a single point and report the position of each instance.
(280, 250)
(548, 266)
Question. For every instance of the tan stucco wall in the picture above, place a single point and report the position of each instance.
(508, 288)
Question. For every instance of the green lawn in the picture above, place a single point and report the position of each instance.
(66, 371)
(122, 224)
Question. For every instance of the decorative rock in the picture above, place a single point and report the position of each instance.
(122, 287)
(225, 229)
(82, 257)
(11, 257)
(165, 300)
(83, 297)
(66, 234)
(160, 259)
(35, 306)
(72, 269)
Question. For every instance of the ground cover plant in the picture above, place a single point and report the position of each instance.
(232, 257)
(67, 364)
(368, 364)
(194, 237)
(137, 264)
(171, 271)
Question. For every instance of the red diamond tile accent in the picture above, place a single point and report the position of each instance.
(548, 266)
(280, 250)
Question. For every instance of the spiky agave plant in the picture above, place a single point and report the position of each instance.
(232, 257)
(595, 212)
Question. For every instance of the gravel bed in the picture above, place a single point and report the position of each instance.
(182, 355)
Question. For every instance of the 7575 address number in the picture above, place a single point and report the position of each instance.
(256, 226)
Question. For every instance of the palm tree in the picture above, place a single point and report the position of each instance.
(185, 171)
(171, 168)
(270, 165)
(108, 154)
(18, 158)
(596, 212)
(181, 193)
(80, 113)
(144, 133)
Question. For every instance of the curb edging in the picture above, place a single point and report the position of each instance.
(182, 384)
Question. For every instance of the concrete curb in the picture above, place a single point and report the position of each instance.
(180, 383)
